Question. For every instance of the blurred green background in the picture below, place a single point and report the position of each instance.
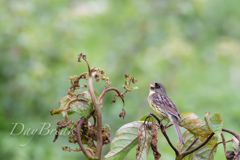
(192, 47)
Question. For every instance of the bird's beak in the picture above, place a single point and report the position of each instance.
(152, 86)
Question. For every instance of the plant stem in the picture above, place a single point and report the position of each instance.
(164, 133)
(193, 142)
(84, 150)
(218, 144)
(98, 115)
(224, 144)
(233, 133)
(169, 142)
(184, 153)
(100, 99)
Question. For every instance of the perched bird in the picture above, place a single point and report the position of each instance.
(163, 106)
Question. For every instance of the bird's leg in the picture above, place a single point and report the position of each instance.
(160, 124)
(166, 126)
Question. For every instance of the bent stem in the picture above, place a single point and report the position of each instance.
(84, 150)
(68, 106)
(232, 132)
(85, 59)
(237, 155)
(100, 99)
(218, 144)
(90, 154)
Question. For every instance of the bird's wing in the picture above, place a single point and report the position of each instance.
(166, 103)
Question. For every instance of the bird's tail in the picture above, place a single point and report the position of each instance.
(175, 123)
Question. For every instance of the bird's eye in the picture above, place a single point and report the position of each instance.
(156, 85)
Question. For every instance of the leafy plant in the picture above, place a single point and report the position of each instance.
(88, 106)
(201, 137)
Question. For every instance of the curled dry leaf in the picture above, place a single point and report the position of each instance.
(106, 134)
(134, 80)
(72, 138)
(60, 125)
(237, 155)
(230, 154)
(235, 144)
(113, 100)
(144, 139)
(126, 76)
(154, 141)
(122, 114)
(66, 148)
(140, 141)
(81, 56)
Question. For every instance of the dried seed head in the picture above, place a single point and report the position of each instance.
(134, 80)
(113, 100)
(126, 76)
(122, 114)
(102, 71)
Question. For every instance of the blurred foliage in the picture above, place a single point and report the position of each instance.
(192, 47)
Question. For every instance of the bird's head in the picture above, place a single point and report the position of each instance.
(157, 88)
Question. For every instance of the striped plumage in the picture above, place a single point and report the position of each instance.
(163, 106)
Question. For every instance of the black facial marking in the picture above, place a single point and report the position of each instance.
(157, 86)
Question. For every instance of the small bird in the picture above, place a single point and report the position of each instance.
(163, 106)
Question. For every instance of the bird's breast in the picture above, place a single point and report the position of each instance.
(157, 109)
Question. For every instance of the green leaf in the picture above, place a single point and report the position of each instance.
(144, 117)
(69, 112)
(106, 128)
(55, 111)
(125, 139)
(81, 108)
(96, 94)
(215, 123)
(133, 88)
(204, 153)
(86, 95)
(196, 126)
(63, 102)
(76, 107)
(235, 144)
